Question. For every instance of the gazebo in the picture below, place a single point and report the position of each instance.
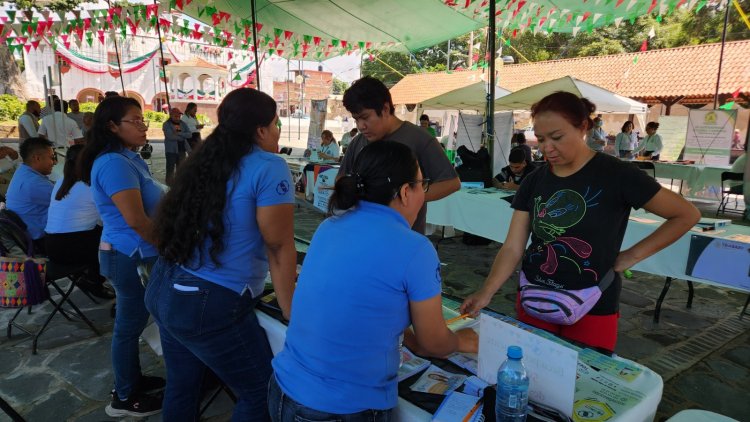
(198, 81)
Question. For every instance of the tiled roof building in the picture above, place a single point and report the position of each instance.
(683, 75)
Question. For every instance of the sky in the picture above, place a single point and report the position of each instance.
(345, 68)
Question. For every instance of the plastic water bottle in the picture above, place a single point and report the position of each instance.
(512, 388)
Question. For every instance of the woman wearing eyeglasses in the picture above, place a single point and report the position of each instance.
(227, 220)
(126, 196)
(341, 355)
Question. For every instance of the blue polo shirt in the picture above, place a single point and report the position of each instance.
(261, 180)
(342, 347)
(115, 172)
(28, 196)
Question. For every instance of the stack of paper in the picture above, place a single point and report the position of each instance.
(410, 364)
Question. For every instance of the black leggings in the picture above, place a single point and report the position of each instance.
(76, 248)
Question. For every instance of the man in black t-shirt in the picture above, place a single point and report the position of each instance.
(511, 176)
(370, 103)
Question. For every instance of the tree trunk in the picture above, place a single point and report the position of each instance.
(11, 81)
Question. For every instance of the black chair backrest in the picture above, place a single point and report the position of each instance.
(728, 175)
(646, 165)
(13, 235)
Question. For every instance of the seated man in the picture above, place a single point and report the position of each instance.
(30, 190)
(510, 176)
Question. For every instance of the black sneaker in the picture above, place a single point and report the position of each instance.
(139, 405)
(147, 384)
(150, 384)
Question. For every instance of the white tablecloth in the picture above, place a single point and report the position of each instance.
(696, 177)
(488, 215)
(648, 382)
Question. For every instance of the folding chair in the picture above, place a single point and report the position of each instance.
(646, 166)
(55, 273)
(727, 191)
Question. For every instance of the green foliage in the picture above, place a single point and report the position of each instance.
(11, 107)
(339, 86)
(55, 5)
(155, 116)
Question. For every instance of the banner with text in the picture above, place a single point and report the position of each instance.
(709, 136)
(318, 112)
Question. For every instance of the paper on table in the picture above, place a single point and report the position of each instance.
(620, 369)
(437, 381)
(551, 366)
(745, 238)
(410, 364)
(456, 407)
(467, 361)
(449, 314)
(599, 394)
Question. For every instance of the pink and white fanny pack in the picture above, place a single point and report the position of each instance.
(561, 306)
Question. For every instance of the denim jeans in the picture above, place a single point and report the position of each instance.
(130, 319)
(284, 409)
(174, 159)
(204, 325)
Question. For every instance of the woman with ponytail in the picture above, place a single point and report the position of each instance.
(126, 196)
(341, 355)
(227, 220)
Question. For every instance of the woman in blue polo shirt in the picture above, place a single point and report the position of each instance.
(126, 195)
(341, 355)
(227, 220)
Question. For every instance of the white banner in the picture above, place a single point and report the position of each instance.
(503, 133)
(672, 130)
(318, 112)
(709, 136)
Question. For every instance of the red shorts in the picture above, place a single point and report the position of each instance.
(592, 330)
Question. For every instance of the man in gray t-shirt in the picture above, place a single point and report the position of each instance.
(371, 106)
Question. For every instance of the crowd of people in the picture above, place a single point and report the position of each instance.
(196, 258)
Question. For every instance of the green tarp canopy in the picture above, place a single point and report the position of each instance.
(319, 29)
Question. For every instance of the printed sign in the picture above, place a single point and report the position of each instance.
(709, 136)
(551, 366)
(317, 123)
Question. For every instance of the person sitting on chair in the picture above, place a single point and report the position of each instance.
(511, 176)
(74, 227)
(329, 149)
(30, 190)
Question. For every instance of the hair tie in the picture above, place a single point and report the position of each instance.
(360, 183)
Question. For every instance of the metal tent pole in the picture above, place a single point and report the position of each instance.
(491, 91)
(721, 55)
(161, 53)
(255, 45)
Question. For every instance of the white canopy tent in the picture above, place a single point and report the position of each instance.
(606, 101)
(470, 97)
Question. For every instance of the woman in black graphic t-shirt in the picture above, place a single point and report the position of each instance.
(576, 209)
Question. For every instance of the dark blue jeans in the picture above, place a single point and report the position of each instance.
(204, 325)
(284, 409)
(131, 317)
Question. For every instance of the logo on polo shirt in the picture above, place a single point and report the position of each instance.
(437, 274)
(282, 188)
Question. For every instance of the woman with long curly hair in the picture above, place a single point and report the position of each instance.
(126, 195)
(227, 220)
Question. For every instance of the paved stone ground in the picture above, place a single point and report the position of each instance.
(702, 353)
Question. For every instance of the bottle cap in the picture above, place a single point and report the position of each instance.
(515, 352)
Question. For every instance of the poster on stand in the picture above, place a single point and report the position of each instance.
(318, 112)
(709, 136)
(672, 130)
(503, 133)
